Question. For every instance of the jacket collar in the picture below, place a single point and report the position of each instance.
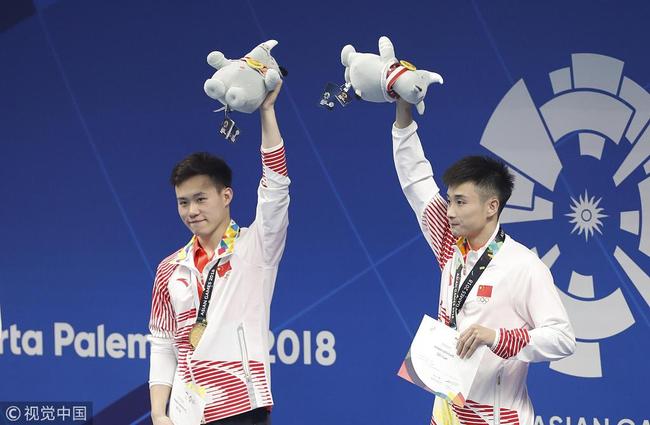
(463, 248)
(226, 246)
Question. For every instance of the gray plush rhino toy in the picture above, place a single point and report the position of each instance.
(242, 84)
(383, 78)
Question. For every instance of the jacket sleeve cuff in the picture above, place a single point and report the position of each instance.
(401, 133)
(274, 161)
(162, 362)
(510, 342)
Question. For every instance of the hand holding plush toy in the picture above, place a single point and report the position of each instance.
(385, 79)
(242, 84)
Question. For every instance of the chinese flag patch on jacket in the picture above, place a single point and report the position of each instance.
(484, 291)
(223, 269)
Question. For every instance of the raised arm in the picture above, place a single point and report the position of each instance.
(271, 137)
(271, 219)
(416, 178)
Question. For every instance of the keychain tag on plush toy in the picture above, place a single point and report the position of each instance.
(228, 128)
(343, 96)
(327, 99)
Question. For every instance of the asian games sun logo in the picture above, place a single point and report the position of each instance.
(582, 184)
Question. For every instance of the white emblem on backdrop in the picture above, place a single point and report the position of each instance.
(594, 99)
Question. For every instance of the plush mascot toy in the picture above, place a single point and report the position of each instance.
(383, 78)
(242, 84)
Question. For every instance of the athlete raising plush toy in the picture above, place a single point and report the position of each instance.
(383, 78)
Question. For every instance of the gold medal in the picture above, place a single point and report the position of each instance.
(408, 65)
(197, 332)
(254, 64)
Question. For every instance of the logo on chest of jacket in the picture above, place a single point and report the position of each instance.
(484, 293)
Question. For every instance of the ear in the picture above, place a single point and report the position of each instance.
(227, 195)
(217, 60)
(346, 54)
(493, 206)
(386, 49)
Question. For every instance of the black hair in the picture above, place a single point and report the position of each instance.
(202, 163)
(491, 176)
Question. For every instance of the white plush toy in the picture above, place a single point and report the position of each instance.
(383, 78)
(242, 84)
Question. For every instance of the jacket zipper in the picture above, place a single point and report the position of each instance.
(247, 371)
(244, 351)
(497, 399)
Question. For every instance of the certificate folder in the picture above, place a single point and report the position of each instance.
(432, 364)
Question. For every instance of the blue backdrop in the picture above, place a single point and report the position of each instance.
(99, 99)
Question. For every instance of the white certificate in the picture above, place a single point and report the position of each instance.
(186, 403)
(432, 362)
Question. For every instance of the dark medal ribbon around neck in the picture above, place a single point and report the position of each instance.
(461, 293)
(201, 322)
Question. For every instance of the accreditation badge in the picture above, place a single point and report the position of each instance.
(327, 98)
(229, 129)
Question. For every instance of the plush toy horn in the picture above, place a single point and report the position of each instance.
(435, 78)
(270, 44)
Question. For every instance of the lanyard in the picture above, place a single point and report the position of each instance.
(207, 293)
(461, 292)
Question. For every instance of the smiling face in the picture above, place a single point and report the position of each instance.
(203, 207)
(470, 211)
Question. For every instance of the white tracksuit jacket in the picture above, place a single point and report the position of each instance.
(515, 295)
(232, 359)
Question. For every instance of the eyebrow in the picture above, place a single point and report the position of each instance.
(194, 195)
(456, 196)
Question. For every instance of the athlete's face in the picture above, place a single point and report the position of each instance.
(202, 207)
(469, 210)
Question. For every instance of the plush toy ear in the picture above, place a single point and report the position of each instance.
(346, 55)
(217, 60)
(386, 49)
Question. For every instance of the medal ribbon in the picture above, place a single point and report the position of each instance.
(460, 293)
(207, 293)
